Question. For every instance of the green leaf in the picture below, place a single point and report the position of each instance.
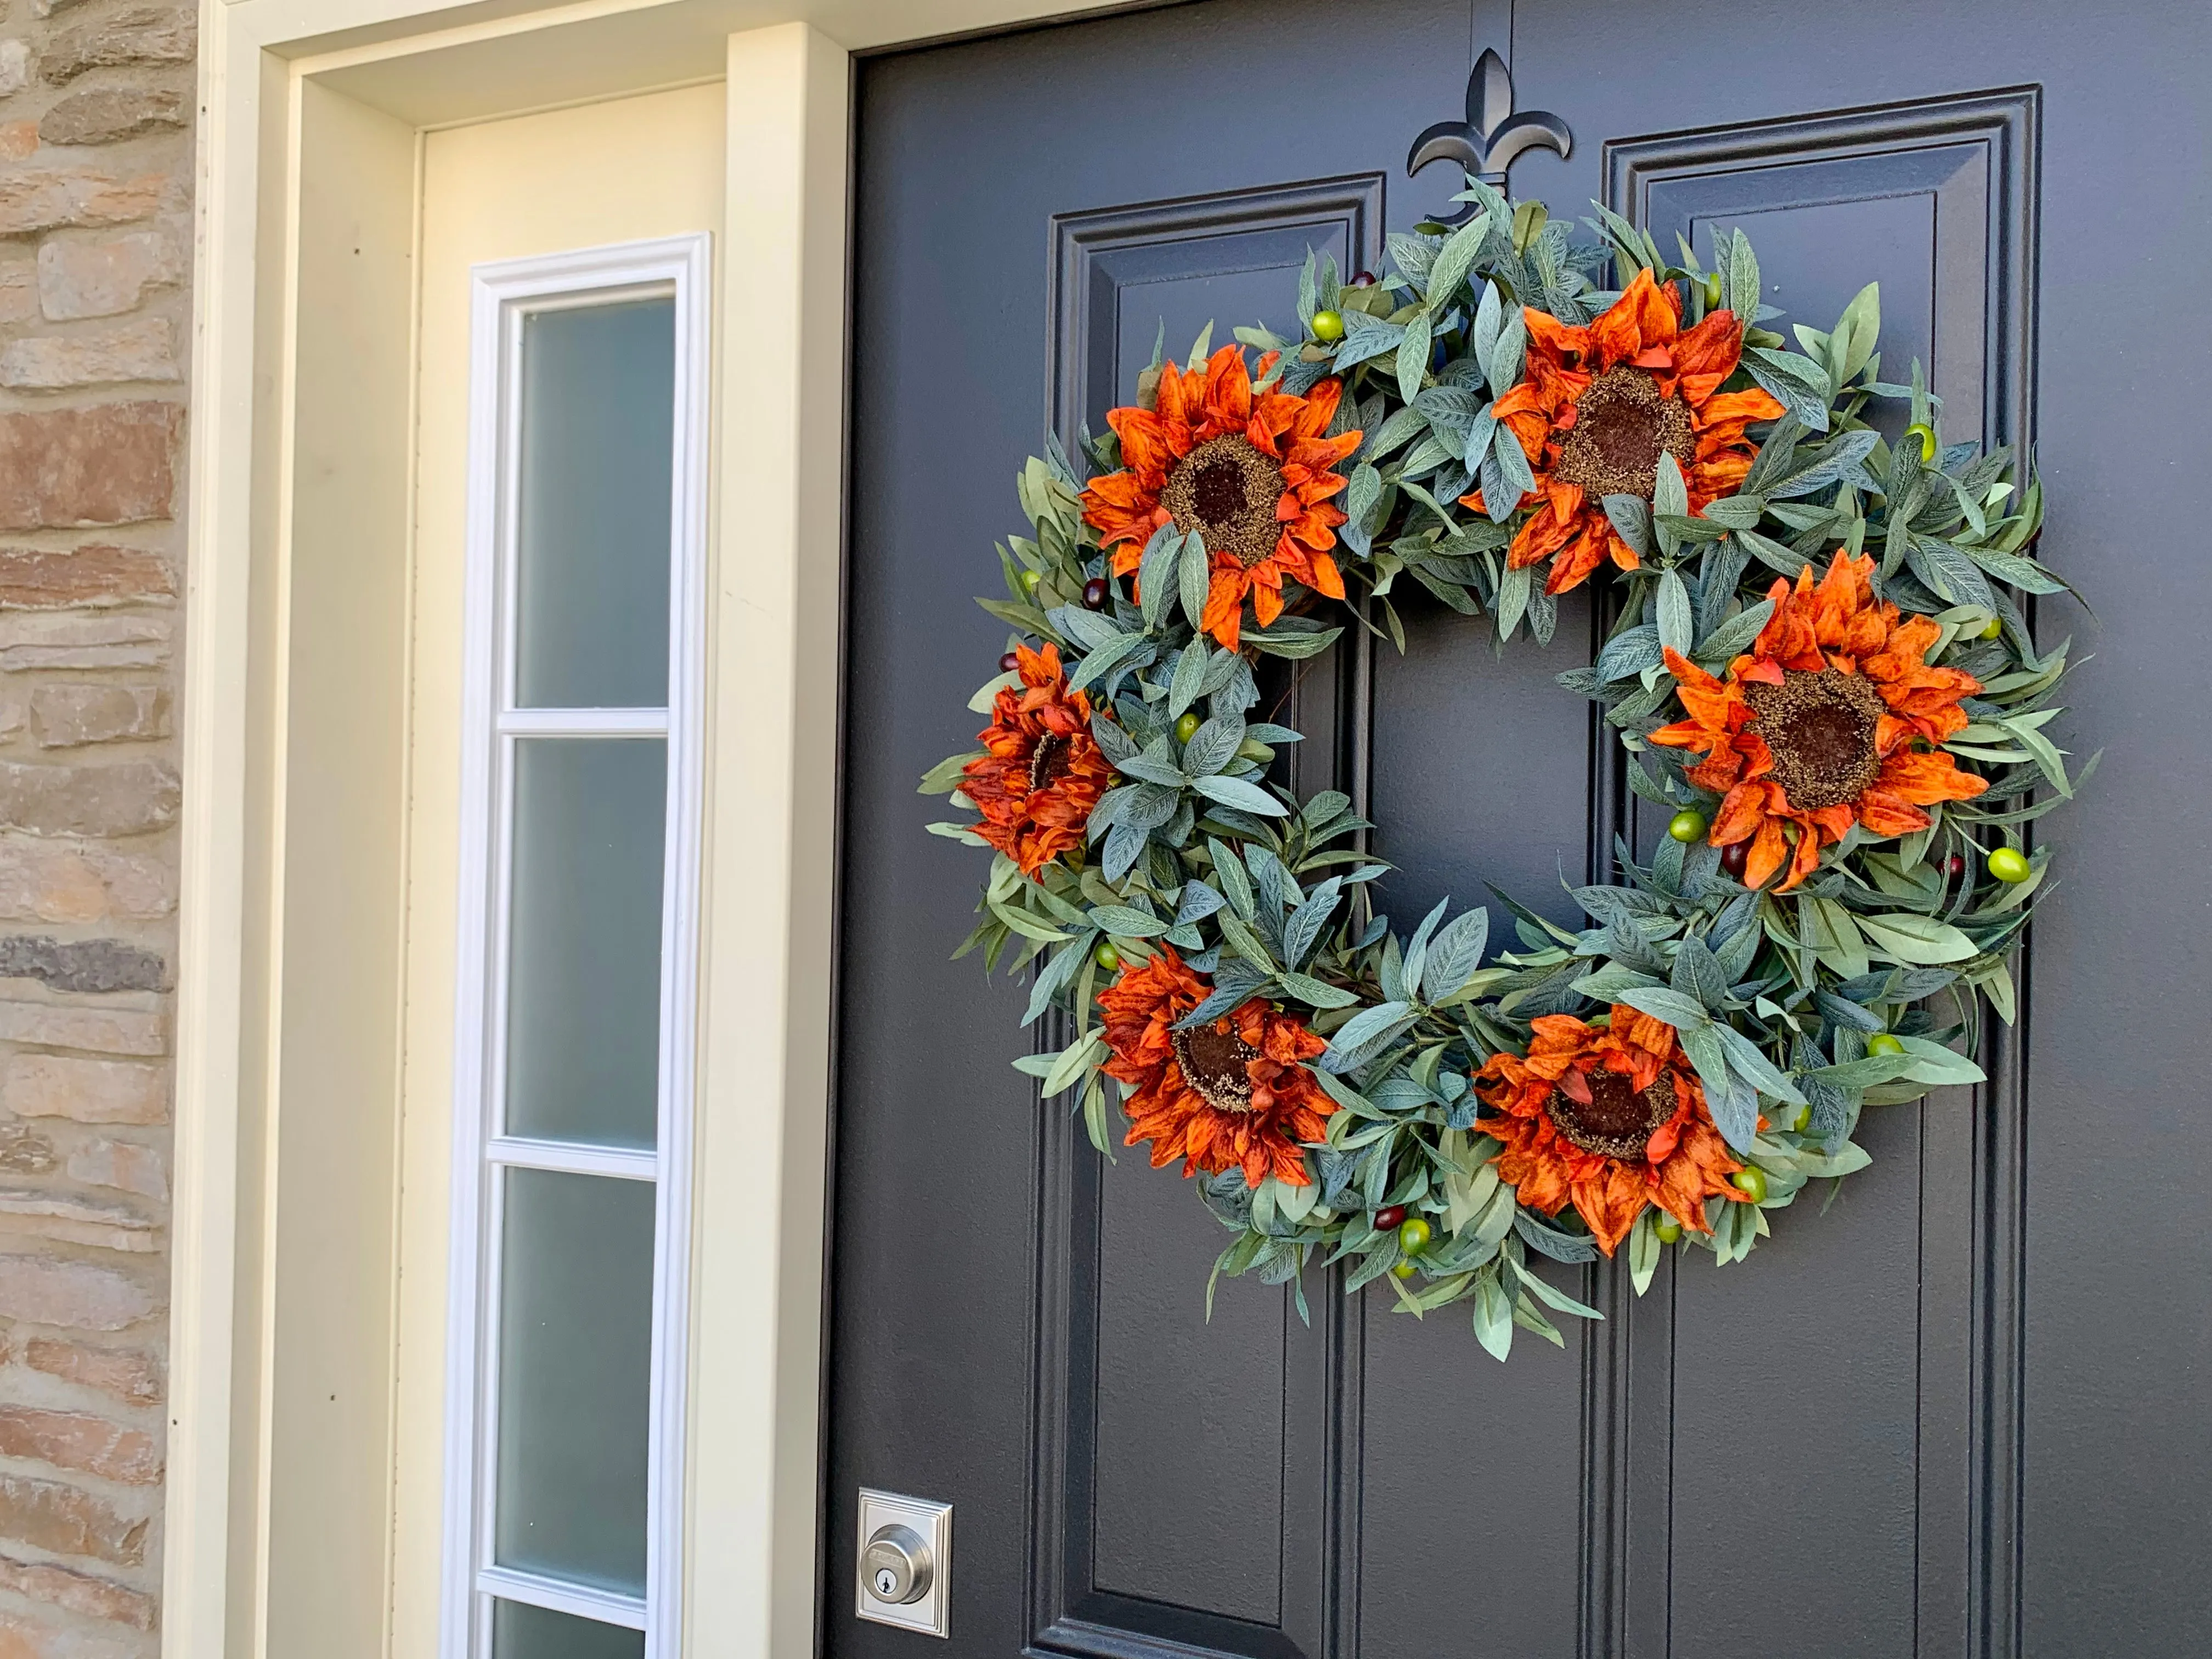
(1828, 928)
(1280, 642)
(1243, 796)
(1685, 1014)
(1850, 1160)
(1494, 1316)
(1853, 341)
(1027, 926)
(1189, 674)
(1367, 1023)
(1934, 1064)
(946, 776)
(1771, 554)
(1073, 1061)
(1246, 943)
(1917, 940)
(1414, 356)
(1125, 922)
(1670, 496)
(1192, 579)
(1156, 574)
(1743, 268)
(1674, 625)
(1748, 1061)
(1501, 365)
(1454, 259)
(1643, 1251)
(1315, 993)
(1513, 600)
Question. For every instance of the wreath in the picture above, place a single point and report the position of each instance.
(1820, 671)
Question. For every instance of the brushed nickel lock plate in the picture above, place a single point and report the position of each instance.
(905, 1557)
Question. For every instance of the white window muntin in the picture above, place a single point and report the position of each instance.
(504, 295)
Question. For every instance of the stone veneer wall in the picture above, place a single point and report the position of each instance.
(96, 100)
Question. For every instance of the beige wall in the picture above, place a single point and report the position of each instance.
(95, 156)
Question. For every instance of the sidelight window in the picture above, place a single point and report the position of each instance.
(574, 1033)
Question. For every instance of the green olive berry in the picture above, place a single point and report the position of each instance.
(1030, 579)
(1403, 1270)
(1186, 728)
(1107, 956)
(1430, 227)
(1994, 629)
(1666, 1229)
(1414, 1236)
(1751, 1182)
(1686, 825)
(1927, 436)
(1712, 303)
(2008, 864)
(1800, 1118)
(1882, 1043)
(1328, 325)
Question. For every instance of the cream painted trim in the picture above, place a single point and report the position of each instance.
(267, 179)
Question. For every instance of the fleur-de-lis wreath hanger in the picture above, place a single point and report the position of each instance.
(1491, 137)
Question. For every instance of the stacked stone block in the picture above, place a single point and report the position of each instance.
(96, 101)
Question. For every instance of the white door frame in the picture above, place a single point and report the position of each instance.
(290, 993)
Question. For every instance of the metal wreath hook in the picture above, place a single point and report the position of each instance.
(1491, 137)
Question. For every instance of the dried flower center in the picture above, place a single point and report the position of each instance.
(1604, 1112)
(1820, 727)
(1226, 490)
(1212, 1061)
(1048, 761)
(1622, 425)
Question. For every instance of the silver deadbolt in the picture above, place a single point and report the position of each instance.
(905, 1562)
(896, 1565)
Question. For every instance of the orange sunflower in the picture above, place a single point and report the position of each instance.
(1251, 473)
(1231, 1095)
(1814, 729)
(1598, 407)
(1044, 771)
(1610, 1117)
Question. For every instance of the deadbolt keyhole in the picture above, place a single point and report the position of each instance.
(896, 1565)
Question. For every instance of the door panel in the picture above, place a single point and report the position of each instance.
(1901, 1428)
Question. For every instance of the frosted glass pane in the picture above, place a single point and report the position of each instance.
(598, 426)
(583, 1028)
(575, 1349)
(519, 1632)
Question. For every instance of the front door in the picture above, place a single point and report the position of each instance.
(1960, 1411)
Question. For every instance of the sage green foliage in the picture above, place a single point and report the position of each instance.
(1775, 995)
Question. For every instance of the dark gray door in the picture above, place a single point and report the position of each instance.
(1963, 1411)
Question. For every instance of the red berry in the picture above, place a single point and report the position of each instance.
(1008, 662)
(1736, 858)
(1361, 279)
(1387, 1218)
(1094, 593)
(1955, 865)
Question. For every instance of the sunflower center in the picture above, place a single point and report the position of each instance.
(1622, 425)
(1048, 761)
(1821, 729)
(1212, 1061)
(1618, 1119)
(1226, 491)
